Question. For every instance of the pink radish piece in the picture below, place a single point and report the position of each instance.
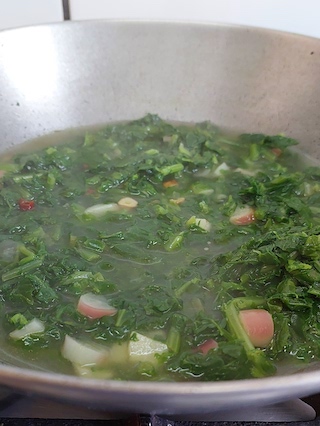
(259, 326)
(243, 216)
(94, 306)
(206, 346)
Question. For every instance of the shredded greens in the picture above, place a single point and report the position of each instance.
(178, 228)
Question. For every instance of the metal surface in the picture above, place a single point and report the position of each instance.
(68, 75)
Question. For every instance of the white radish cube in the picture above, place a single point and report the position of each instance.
(99, 210)
(128, 203)
(222, 168)
(246, 172)
(142, 348)
(203, 224)
(82, 354)
(35, 326)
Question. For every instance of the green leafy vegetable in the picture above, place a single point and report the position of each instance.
(173, 265)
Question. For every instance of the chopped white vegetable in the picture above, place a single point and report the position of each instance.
(177, 201)
(128, 203)
(35, 326)
(201, 223)
(142, 348)
(99, 210)
(82, 354)
(84, 357)
(222, 168)
(208, 191)
(246, 172)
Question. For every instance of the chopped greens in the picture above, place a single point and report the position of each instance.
(128, 253)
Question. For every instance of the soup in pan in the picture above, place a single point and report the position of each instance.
(153, 251)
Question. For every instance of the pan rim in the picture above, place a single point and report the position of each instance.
(298, 380)
(169, 22)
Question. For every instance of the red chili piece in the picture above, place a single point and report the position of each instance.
(25, 205)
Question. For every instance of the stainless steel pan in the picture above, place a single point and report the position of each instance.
(68, 75)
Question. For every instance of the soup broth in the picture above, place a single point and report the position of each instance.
(131, 252)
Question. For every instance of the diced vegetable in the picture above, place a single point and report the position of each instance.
(206, 346)
(94, 306)
(260, 364)
(35, 326)
(170, 183)
(128, 203)
(220, 169)
(100, 210)
(243, 216)
(177, 201)
(259, 326)
(81, 353)
(142, 348)
(94, 361)
(25, 205)
(201, 223)
(246, 172)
